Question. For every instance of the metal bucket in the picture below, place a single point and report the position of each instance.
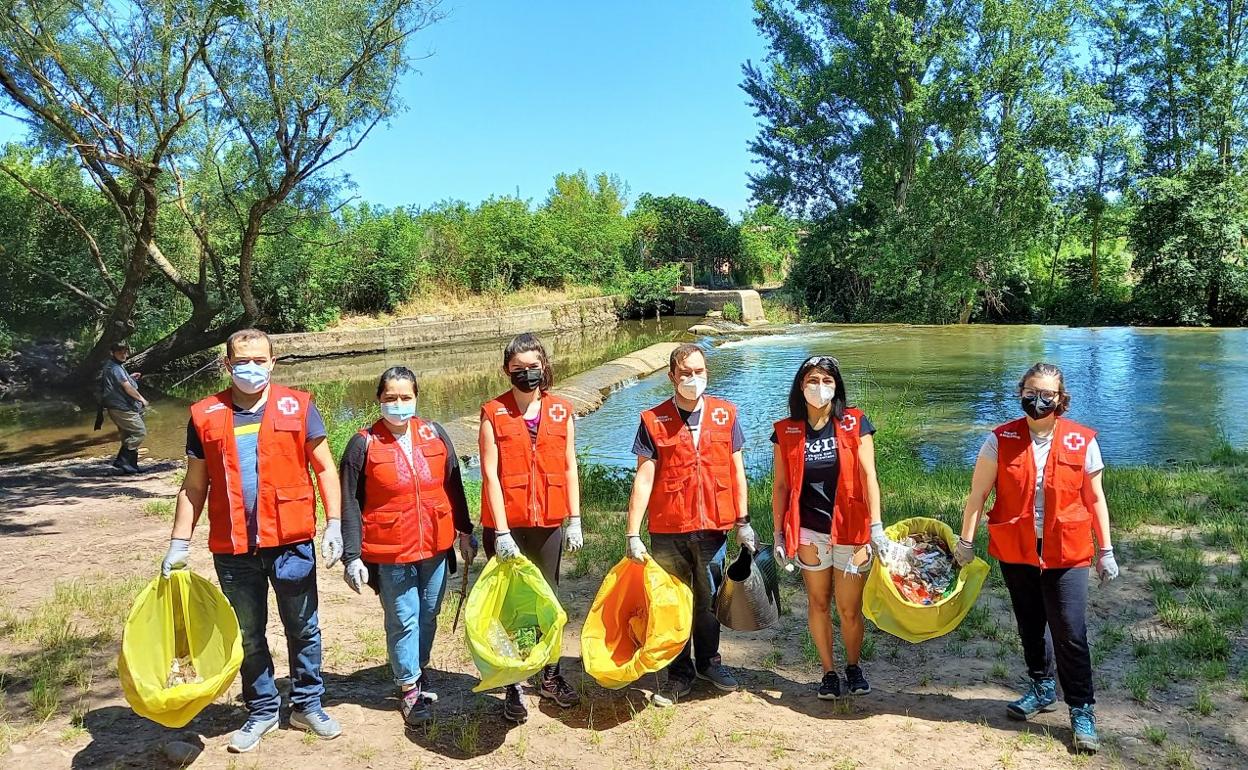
(749, 599)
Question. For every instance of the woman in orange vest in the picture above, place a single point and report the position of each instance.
(825, 503)
(1050, 503)
(530, 486)
(403, 509)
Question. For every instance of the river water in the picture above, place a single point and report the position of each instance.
(1155, 395)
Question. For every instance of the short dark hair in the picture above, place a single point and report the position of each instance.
(827, 365)
(119, 346)
(529, 343)
(682, 353)
(397, 373)
(246, 335)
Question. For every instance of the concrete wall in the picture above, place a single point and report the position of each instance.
(408, 333)
(699, 301)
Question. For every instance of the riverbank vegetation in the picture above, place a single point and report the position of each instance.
(1009, 160)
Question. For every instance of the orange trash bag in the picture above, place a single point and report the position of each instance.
(639, 622)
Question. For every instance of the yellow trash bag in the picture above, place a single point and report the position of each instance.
(513, 623)
(639, 622)
(884, 605)
(177, 620)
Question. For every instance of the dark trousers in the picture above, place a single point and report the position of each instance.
(1051, 609)
(697, 560)
(541, 545)
(245, 581)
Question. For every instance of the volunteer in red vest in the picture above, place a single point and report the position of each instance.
(825, 504)
(530, 486)
(691, 483)
(403, 508)
(248, 450)
(1048, 525)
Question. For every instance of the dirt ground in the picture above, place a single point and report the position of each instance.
(938, 704)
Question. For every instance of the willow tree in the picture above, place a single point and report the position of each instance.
(199, 121)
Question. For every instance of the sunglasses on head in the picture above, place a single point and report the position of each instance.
(822, 361)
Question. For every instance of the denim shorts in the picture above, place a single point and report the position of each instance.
(835, 555)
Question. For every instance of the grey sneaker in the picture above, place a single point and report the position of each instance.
(716, 674)
(248, 736)
(671, 691)
(317, 722)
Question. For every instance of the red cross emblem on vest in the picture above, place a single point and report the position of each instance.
(427, 432)
(719, 416)
(849, 422)
(288, 405)
(558, 413)
(1074, 441)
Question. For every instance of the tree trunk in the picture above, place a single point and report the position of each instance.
(191, 337)
(1095, 257)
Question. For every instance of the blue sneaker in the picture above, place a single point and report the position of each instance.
(1083, 724)
(317, 722)
(248, 736)
(1040, 696)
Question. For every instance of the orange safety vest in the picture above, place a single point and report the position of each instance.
(534, 478)
(695, 488)
(406, 518)
(285, 500)
(1068, 498)
(851, 518)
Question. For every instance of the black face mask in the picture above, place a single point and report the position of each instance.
(526, 380)
(1038, 408)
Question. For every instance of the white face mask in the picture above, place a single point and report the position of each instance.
(691, 387)
(818, 395)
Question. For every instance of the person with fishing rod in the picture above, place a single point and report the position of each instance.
(825, 504)
(530, 486)
(691, 488)
(403, 510)
(1050, 505)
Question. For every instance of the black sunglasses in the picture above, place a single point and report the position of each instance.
(822, 361)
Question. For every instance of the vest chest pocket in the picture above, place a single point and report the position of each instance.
(383, 464)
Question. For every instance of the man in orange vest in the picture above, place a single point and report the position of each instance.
(691, 480)
(248, 450)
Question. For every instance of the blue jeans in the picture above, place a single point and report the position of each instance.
(411, 597)
(697, 560)
(245, 580)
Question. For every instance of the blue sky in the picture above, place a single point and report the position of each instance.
(515, 92)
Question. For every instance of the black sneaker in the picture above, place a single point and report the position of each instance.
(671, 691)
(830, 687)
(555, 687)
(858, 684)
(415, 707)
(514, 709)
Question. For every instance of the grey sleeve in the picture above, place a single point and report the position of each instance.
(1092, 461)
(989, 449)
(738, 436)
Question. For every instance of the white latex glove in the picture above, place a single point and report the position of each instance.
(467, 548)
(636, 549)
(1106, 565)
(175, 558)
(575, 539)
(355, 574)
(331, 543)
(964, 554)
(505, 546)
(879, 540)
(746, 537)
(779, 552)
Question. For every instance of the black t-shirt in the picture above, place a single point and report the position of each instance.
(820, 471)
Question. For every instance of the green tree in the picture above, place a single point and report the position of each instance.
(676, 229)
(226, 110)
(587, 219)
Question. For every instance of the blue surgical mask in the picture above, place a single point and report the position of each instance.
(398, 412)
(250, 377)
